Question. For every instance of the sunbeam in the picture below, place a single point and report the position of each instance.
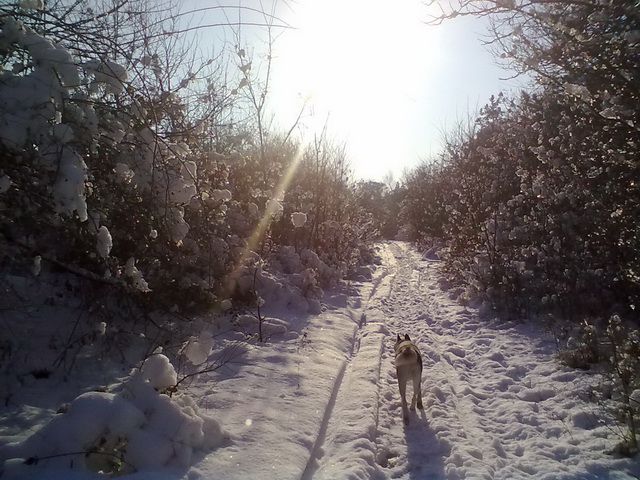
(270, 210)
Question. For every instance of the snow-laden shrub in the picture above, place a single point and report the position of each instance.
(544, 186)
(322, 205)
(135, 429)
(624, 362)
(31, 116)
(582, 349)
(96, 180)
(327, 276)
(611, 348)
(537, 215)
(111, 171)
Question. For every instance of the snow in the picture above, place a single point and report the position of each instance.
(68, 191)
(198, 349)
(298, 219)
(135, 275)
(101, 328)
(32, 4)
(36, 267)
(221, 195)
(149, 429)
(273, 207)
(577, 90)
(109, 74)
(158, 371)
(63, 133)
(178, 228)
(189, 170)
(103, 242)
(323, 402)
(319, 399)
(5, 183)
(124, 173)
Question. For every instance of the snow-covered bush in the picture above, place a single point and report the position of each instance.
(537, 207)
(582, 349)
(611, 348)
(381, 204)
(133, 429)
(96, 171)
(538, 199)
(319, 198)
(624, 361)
(120, 165)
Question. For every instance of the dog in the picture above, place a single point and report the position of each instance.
(408, 366)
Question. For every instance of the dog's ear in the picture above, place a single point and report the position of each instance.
(406, 336)
(398, 337)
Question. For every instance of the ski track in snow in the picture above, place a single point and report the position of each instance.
(497, 404)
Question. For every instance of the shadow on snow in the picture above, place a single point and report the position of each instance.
(425, 453)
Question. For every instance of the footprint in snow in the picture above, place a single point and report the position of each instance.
(458, 351)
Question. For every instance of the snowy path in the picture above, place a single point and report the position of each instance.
(319, 400)
(497, 404)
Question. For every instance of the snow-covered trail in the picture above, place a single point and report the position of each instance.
(497, 404)
(466, 429)
(319, 400)
(325, 403)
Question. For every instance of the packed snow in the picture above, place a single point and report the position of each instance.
(319, 399)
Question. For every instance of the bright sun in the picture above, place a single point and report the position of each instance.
(361, 62)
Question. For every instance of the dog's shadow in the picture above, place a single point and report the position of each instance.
(425, 453)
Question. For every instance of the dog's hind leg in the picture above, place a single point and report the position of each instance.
(417, 392)
(402, 384)
(414, 395)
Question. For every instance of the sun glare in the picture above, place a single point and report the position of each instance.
(361, 64)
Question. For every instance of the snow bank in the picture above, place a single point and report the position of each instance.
(135, 429)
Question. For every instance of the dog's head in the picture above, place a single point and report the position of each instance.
(403, 346)
(405, 339)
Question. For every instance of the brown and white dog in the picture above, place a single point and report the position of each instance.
(408, 366)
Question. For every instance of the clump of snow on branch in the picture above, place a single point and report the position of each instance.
(221, 195)
(110, 75)
(198, 349)
(132, 272)
(69, 189)
(5, 183)
(578, 90)
(298, 219)
(36, 267)
(104, 242)
(32, 4)
(158, 372)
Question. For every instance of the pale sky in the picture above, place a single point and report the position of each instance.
(388, 84)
